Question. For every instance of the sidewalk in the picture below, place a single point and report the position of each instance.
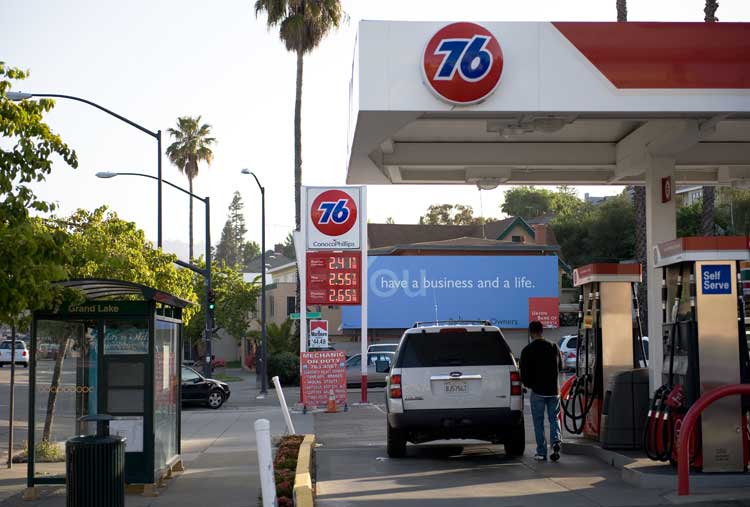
(218, 449)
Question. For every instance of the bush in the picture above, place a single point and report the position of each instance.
(285, 365)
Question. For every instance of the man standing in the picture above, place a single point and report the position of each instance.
(541, 363)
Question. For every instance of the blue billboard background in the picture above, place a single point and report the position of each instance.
(405, 289)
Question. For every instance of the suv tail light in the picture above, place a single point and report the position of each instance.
(571, 355)
(453, 330)
(395, 387)
(515, 384)
(23, 354)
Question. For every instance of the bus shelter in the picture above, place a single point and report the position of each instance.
(116, 353)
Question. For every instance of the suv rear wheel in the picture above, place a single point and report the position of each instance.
(516, 443)
(396, 443)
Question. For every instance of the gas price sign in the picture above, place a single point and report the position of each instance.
(334, 278)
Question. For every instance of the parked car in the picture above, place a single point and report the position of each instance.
(374, 378)
(22, 353)
(197, 389)
(382, 347)
(568, 350)
(454, 381)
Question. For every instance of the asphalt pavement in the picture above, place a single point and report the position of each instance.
(353, 470)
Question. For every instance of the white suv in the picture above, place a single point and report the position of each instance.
(454, 381)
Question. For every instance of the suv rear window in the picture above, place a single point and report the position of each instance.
(425, 350)
(9, 344)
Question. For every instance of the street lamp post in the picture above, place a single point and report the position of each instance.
(263, 335)
(18, 96)
(206, 273)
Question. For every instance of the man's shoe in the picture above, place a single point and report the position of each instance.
(555, 451)
(539, 457)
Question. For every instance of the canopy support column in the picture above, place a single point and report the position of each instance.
(661, 226)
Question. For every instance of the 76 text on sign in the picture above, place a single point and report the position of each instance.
(334, 278)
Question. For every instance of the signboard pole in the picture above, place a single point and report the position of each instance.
(364, 281)
(302, 270)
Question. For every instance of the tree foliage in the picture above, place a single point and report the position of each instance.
(191, 146)
(449, 214)
(530, 202)
(32, 255)
(236, 302)
(102, 245)
(596, 233)
(232, 248)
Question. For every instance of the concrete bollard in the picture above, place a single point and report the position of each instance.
(265, 462)
(284, 408)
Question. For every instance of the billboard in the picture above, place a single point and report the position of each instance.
(506, 290)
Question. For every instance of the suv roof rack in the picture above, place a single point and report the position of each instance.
(452, 323)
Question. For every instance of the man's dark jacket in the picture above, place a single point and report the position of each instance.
(540, 364)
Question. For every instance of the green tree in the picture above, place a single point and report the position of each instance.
(281, 338)
(526, 202)
(302, 24)
(33, 255)
(448, 214)
(288, 247)
(604, 232)
(250, 252)
(236, 302)
(708, 218)
(191, 146)
(231, 247)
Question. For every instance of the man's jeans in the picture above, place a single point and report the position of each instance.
(552, 404)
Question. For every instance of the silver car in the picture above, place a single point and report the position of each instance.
(568, 349)
(354, 368)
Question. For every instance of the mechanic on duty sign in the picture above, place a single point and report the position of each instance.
(716, 279)
(333, 218)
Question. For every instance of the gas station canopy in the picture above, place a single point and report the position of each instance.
(562, 103)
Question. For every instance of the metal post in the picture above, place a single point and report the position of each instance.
(263, 334)
(265, 462)
(11, 407)
(158, 191)
(364, 281)
(209, 320)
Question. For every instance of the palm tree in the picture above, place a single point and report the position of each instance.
(639, 203)
(622, 10)
(302, 26)
(191, 146)
(709, 196)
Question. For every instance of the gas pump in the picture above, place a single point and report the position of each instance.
(704, 347)
(609, 340)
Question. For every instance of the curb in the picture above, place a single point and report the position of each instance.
(303, 493)
(661, 476)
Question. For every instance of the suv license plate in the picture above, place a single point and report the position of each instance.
(456, 387)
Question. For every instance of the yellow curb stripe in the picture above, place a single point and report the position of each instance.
(303, 494)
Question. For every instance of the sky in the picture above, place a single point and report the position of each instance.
(153, 61)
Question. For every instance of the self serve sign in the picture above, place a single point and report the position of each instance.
(716, 279)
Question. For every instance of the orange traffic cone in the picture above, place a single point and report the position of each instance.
(331, 408)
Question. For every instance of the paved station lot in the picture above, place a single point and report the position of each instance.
(353, 470)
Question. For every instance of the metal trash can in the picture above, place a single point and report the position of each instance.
(95, 466)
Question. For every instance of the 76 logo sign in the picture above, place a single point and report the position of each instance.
(334, 212)
(469, 56)
(462, 63)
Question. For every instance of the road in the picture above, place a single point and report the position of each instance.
(353, 470)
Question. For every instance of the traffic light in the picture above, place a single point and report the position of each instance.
(211, 297)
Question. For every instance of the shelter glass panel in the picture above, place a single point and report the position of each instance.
(65, 389)
(166, 390)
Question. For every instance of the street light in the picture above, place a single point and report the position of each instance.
(206, 273)
(19, 96)
(263, 335)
